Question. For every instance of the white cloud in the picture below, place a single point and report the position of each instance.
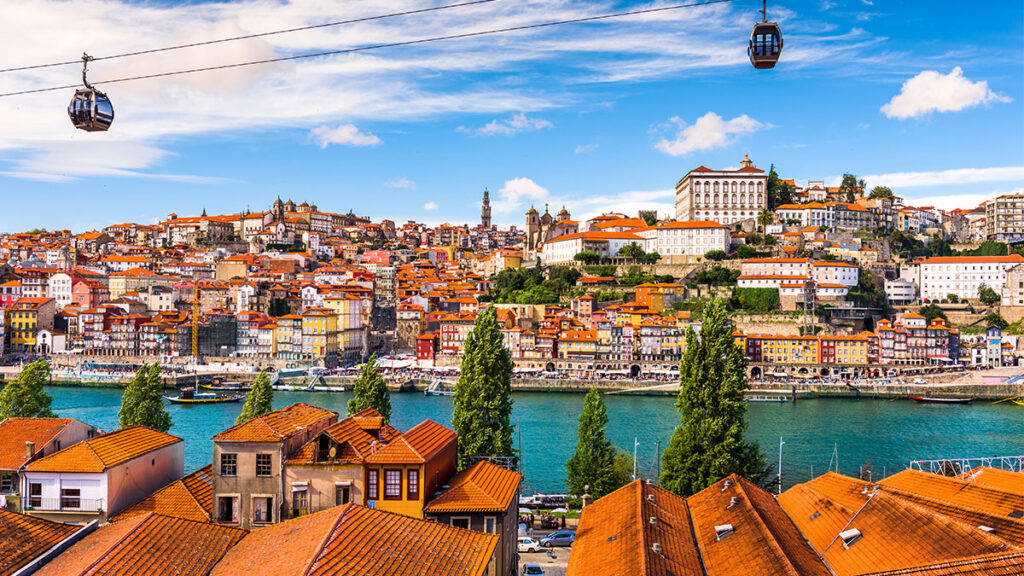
(948, 202)
(932, 91)
(401, 184)
(708, 132)
(513, 125)
(430, 206)
(585, 148)
(345, 134)
(958, 176)
(516, 192)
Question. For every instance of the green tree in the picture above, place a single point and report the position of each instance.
(142, 403)
(779, 192)
(567, 274)
(716, 255)
(881, 192)
(371, 391)
(708, 444)
(622, 468)
(851, 187)
(260, 399)
(931, 312)
(650, 218)
(994, 319)
(587, 257)
(744, 251)
(279, 307)
(988, 296)
(631, 251)
(765, 218)
(483, 394)
(24, 397)
(593, 462)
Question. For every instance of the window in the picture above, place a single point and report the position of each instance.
(70, 498)
(6, 483)
(300, 501)
(263, 509)
(490, 525)
(412, 492)
(372, 485)
(227, 508)
(342, 494)
(35, 495)
(392, 484)
(228, 464)
(263, 465)
(461, 523)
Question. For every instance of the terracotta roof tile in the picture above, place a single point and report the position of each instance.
(354, 540)
(1000, 564)
(277, 425)
(147, 545)
(190, 497)
(14, 432)
(421, 443)
(483, 487)
(998, 479)
(616, 537)
(103, 452)
(24, 538)
(765, 541)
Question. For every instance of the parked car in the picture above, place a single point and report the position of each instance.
(527, 544)
(533, 570)
(558, 538)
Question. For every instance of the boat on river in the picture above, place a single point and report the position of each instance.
(767, 398)
(438, 388)
(190, 396)
(928, 400)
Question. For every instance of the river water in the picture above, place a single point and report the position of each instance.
(885, 435)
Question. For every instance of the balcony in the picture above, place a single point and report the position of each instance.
(63, 504)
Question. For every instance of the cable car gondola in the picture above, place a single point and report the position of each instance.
(90, 109)
(765, 42)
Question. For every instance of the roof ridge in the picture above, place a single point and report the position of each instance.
(208, 513)
(912, 500)
(328, 536)
(763, 527)
(144, 518)
(644, 559)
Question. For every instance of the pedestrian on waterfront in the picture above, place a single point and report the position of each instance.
(563, 520)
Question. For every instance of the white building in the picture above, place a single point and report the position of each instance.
(725, 196)
(563, 249)
(964, 275)
(811, 214)
(679, 240)
(1004, 217)
(900, 291)
(60, 289)
(1013, 289)
(101, 476)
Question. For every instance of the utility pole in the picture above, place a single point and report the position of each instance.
(657, 444)
(780, 464)
(636, 442)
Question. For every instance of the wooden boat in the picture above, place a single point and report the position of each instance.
(778, 398)
(1018, 401)
(927, 400)
(228, 386)
(190, 396)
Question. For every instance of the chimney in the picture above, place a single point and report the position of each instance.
(30, 449)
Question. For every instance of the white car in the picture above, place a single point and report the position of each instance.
(527, 544)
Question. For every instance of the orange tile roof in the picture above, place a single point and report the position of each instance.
(14, 432)
(350, 439)
(615, 536)
(106, 451)
(483, 487)
(354, 540)
(277, 425)
(420, 444)
(1006, 563)
(998, 479)
(147, 545)
(974, 259)
(190, 497)
(24, 538)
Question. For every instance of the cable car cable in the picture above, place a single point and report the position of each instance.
(385, 45)
(257, 35)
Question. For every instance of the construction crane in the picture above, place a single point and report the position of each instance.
(195, 319)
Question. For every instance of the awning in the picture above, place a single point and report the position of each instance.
(299, 486)
(343, 483)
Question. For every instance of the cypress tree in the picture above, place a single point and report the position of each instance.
(142, 403)
(24, 397)
(593, 463)
(371, 391)
(708, 445)
(260, 399)
(483, 394)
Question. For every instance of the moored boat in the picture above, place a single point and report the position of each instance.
(928, 400)
(767, 398)
(190, 396)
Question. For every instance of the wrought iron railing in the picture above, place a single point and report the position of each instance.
(962, 467)
(62, 504)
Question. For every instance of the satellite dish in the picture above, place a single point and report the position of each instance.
(332, 452)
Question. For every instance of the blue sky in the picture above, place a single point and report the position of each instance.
(594, 116)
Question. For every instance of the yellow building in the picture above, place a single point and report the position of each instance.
(25, 318)
(577, 344)
(789, 349)
(320, 334)
(351, 324)
(401, 476)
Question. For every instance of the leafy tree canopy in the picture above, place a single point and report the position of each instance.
(24, 397)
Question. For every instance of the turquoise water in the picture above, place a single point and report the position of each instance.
(886, 435)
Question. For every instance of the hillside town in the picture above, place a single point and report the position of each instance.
(853, 283)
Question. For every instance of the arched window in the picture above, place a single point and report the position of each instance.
(760, 187)
(743, 186)
(707, 199)
(707, 186)
(734, 186)
(716, 199)
(716, 186)
(743, 201)
(696, 199)
(733, 201)
(750, 199)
